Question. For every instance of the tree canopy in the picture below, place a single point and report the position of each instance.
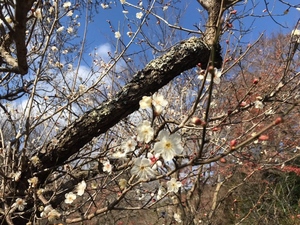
(175, 125)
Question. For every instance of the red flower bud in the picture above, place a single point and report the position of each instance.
(255, 81)
(233, 143)
(278, 120)
(263, 137)
(197, 121)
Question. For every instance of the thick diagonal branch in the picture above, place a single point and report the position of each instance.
(154, 76)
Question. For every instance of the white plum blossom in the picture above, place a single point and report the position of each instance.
(217, 76)
(70, 30)
(123, 1)
(258, 104)
(159, 103)
(129, 145)
(60, 29)
(177, 218)
(38, 14)
(70, 197)
(145, 102)
(46, 210)
(70, 13)
(296, 35)
(119, 154)
(53, 214)
(117, 35)
(54, 49)
(35, 160)
(67, 5)
(16, 176)
(19, 204)
(104, 5)
(142, 168)
(168, 145)
(145, 132)
(173, 185)
(33, 181)
(129, 34)
(107, 166)
(139, 15)
(80, 188)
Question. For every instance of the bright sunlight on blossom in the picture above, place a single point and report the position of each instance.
(177, 218)
(168, 146)
(35, 160)
(159, 103)
(117, 35)
(145, 102)
(33, 181)
(296, 35)
(53, 214)
(128, 145)
(139, 15)
(107, 166)
(173, 185)
(66, 5)
(217, 76)
(20, 204)
(145, 132)
(70, 197)
(142, 169)
(81, 188)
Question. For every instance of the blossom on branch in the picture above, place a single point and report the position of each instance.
(20, 204)
(142, 168)
(216, 78)
(173, 185)
(81, 188)
(145, 102)
(128, 145)
(117, 35)
(168, 145)
(145, 132)
(70, 197)
(159, 103)
(139, 15)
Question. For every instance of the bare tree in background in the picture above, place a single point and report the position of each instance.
(176, 139)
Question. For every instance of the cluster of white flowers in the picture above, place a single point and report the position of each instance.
(50, 213)
(80, 189)
(157, 101)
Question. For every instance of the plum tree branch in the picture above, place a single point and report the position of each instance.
(154, 76)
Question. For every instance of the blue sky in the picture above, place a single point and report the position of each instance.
(99, 31)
